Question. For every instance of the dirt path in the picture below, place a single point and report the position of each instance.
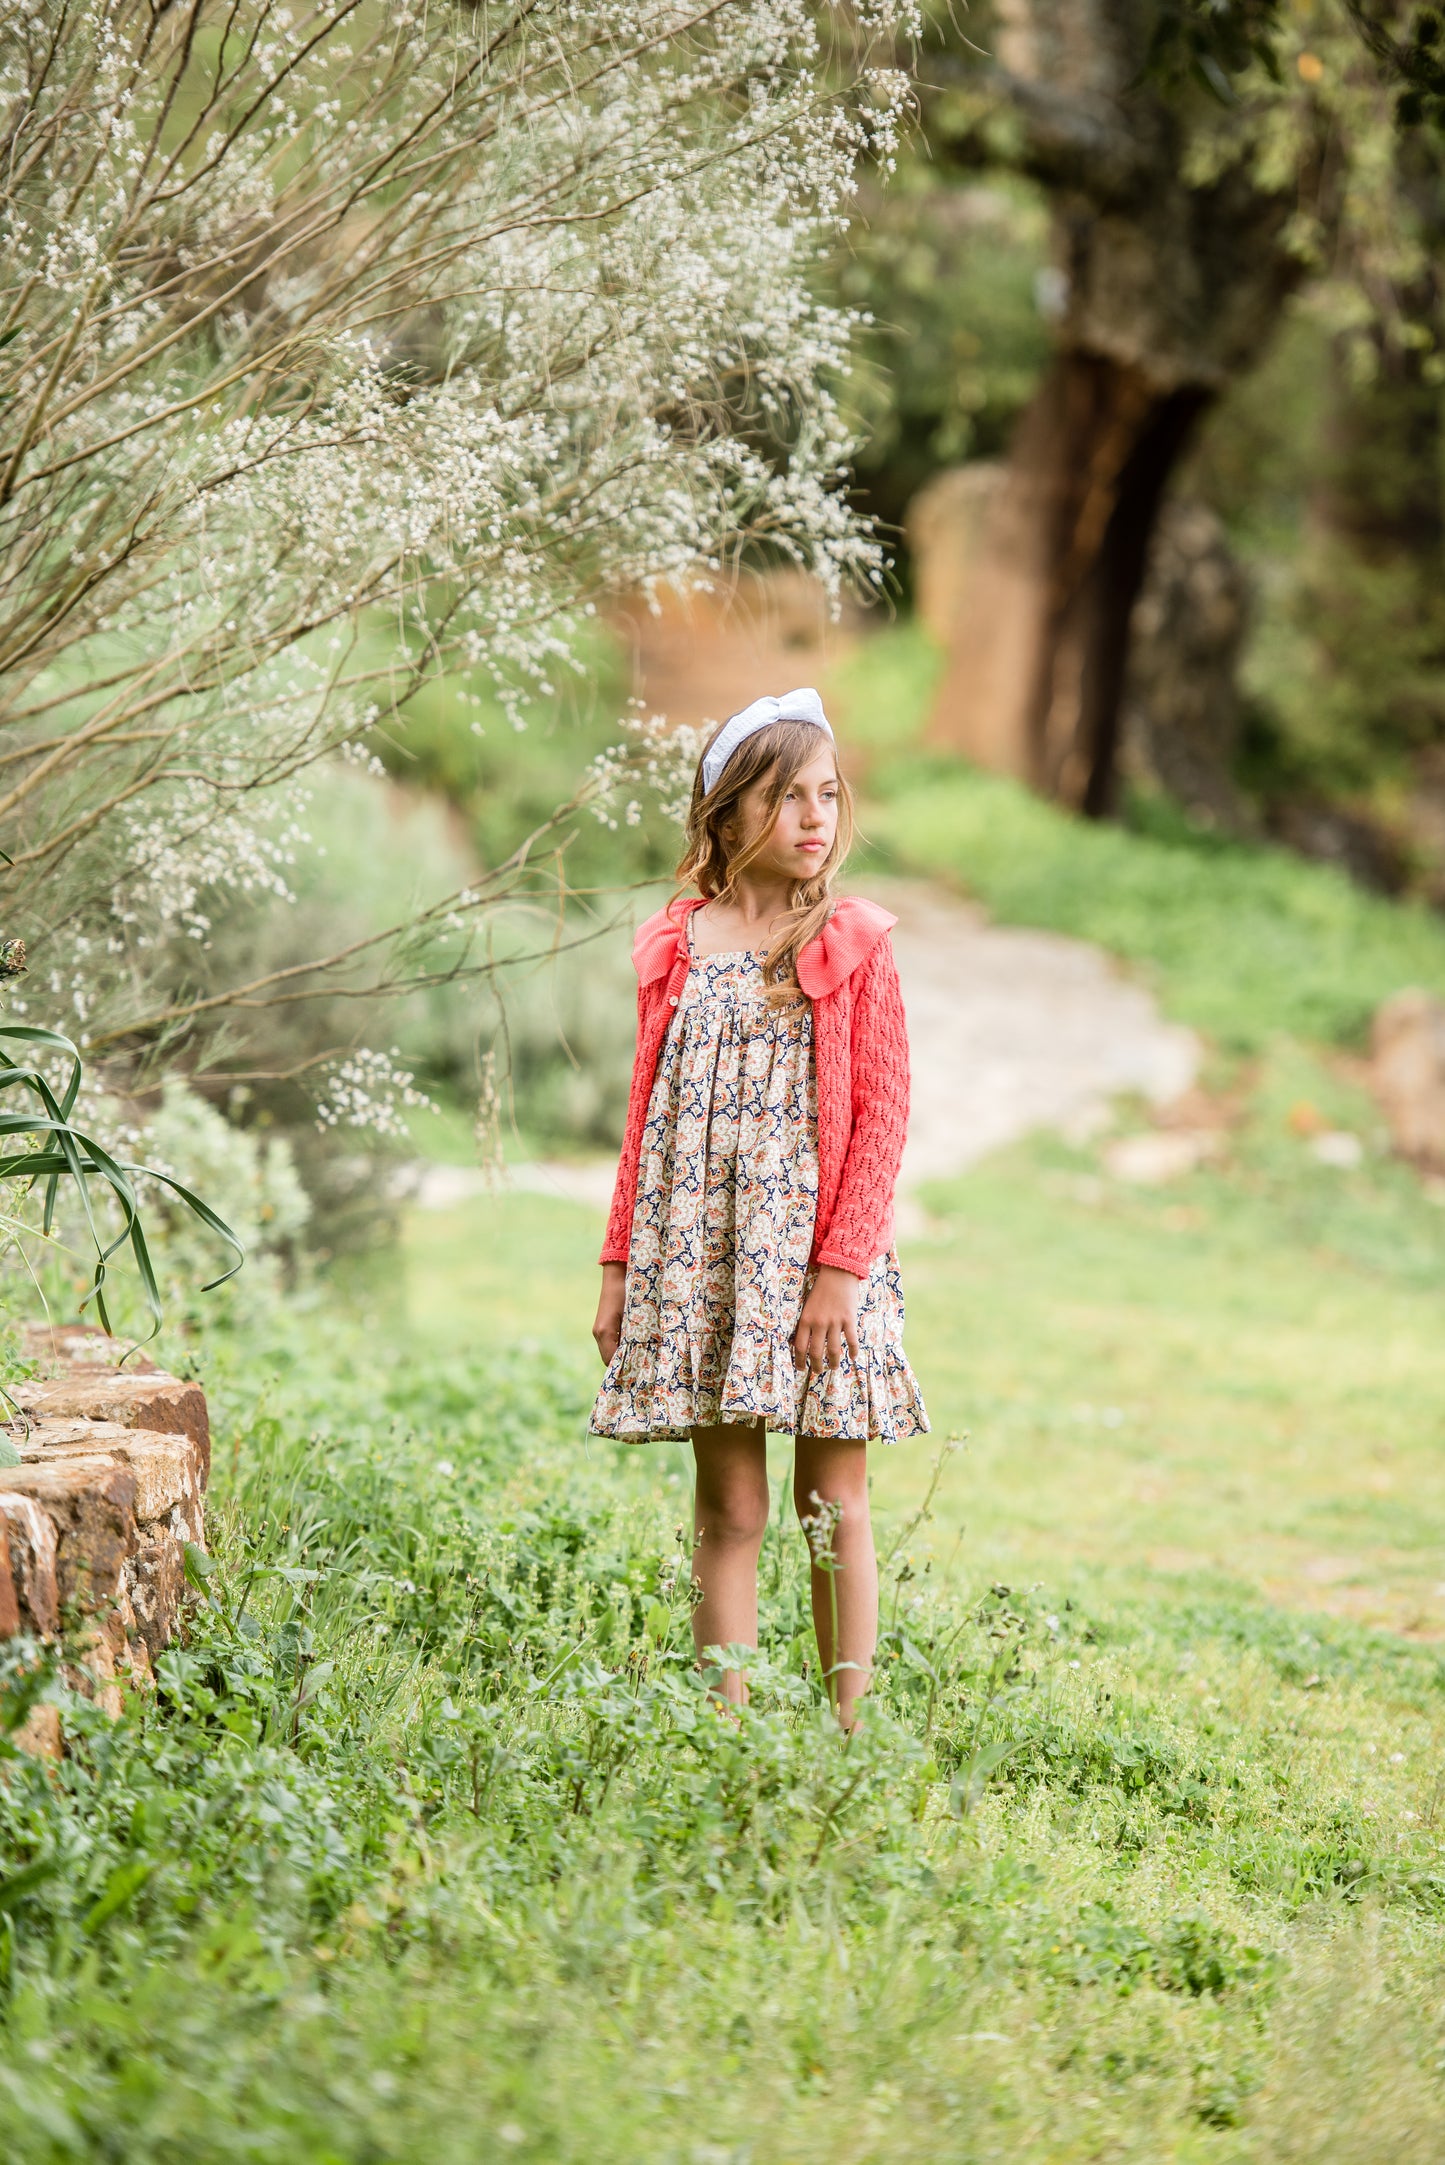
(1013, 1030)
(1010, 1031)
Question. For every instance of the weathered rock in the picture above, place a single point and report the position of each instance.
(109, 1654)
(60, 1348)
(90, 1503)
(155, 1580)
(95, 1520)
(30, 1547)
(168, 1467)
(152, 1400)
(9, 1599)
(78, 1544)
(699, 657)
(166, 1470)
(1408, 1073)
(39, 1733)
(945, 528)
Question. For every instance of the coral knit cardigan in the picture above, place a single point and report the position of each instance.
(861, 1052)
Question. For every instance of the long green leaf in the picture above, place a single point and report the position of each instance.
(19, 1884)
(125, 1881)
(69, 1153)
(207, 1216)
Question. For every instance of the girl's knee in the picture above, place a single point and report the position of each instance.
(841, 1486)
(732, 1511)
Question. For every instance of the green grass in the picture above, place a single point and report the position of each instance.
(430, 1848)
(1245, 942)
(1236, 1381)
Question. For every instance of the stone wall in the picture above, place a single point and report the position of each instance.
(95, 1519)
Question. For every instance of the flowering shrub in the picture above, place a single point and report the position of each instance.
(461, 320)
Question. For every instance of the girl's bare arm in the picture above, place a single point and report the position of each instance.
(608, 1327)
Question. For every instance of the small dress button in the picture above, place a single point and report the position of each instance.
(673, 1000)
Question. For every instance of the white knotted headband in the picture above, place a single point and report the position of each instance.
(803, 705)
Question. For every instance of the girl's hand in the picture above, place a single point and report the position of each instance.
(828, 1322)
(608, 1327)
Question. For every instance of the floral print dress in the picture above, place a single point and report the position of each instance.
(717, 1269)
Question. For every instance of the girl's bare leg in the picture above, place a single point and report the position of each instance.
(730, 1517)
(845, 1596)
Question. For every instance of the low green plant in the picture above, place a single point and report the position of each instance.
(61, 1153)
(432, 1842)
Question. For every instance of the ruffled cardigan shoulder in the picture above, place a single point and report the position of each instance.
(861, 1052)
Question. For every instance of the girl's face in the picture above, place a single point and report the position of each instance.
(806, 825)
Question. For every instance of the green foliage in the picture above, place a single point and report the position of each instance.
(454, 738)
(881, 693)
(250, 1178)
(380, 854)
(1214, 42)
(948, 271)
(431, 1842)
(41, 1079)
(557, 1019)
(1326, 465)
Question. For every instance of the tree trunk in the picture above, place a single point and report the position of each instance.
(1167, 288)
(1038, 658)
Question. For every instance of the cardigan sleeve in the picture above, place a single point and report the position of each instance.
(624, 1193)
(862, 1222)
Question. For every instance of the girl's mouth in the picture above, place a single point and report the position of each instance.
(814, 846)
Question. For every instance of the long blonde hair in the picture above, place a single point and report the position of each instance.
(718, 850)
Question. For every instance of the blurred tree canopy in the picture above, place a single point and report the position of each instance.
(1116, 220)
(951, 276)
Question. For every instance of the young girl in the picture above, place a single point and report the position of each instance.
(749, 1281)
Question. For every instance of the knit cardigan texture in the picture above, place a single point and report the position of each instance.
(860, 1044)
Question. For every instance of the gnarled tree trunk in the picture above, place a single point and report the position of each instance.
(1166, 289)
